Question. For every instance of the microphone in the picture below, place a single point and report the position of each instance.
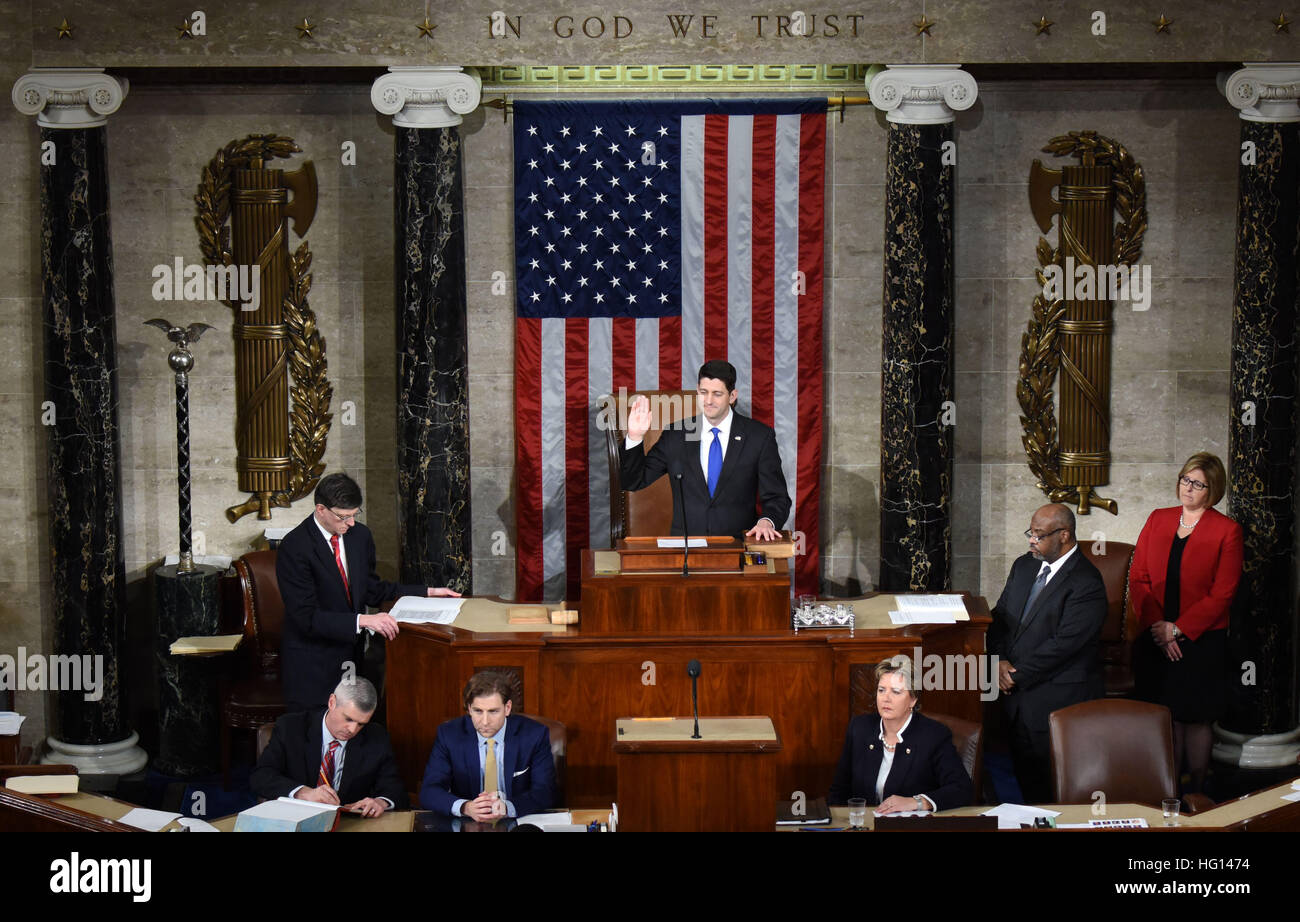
(693, 670)
(686, 532)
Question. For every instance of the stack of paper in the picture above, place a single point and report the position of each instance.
(411, 609)
(219, 643)
(148, 820)
(10, 723)
(552, 822)
(928, 609)
(288, 814)
(43, 784)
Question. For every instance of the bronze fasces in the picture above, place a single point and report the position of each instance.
(1069, 330)
(282, 392)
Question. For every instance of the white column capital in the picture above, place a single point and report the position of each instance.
(69, 97)
(426, 97)
(922, 94)
(1264, 92)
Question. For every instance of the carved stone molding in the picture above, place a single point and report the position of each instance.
(426, 97)
(1264, 92)
(922, 94)
(69, 97)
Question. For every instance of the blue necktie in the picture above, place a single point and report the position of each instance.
(715, 461)
(1036, 588)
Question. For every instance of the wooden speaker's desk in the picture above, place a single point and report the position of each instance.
(810, 683)
(669, 782)
(651, 596)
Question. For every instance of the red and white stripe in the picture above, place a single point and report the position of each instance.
(753, 217)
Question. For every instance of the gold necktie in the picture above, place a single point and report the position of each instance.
(490, 768)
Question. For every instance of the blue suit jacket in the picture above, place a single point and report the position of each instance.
(320, 620)
(453, 771)
(751, 477)
(925, 763)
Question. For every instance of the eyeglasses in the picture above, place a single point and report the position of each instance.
(1194, 484)
(350, 519)
(1036, 538)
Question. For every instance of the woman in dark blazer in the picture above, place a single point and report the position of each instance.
(1184, 574)
(897, 758)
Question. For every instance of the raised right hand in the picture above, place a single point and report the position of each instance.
(638, 418)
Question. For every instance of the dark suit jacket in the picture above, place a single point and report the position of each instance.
(1054, 647)
(320, 620)
(293, 758)
(453, 772)
(1211, 569)
(926, 762)
(751, 475)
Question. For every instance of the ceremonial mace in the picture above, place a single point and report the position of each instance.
(181, 361)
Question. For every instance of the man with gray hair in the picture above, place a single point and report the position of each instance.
(1046, 628)
(333, 755)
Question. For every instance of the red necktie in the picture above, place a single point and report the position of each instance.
(338, 559)
(327, 765)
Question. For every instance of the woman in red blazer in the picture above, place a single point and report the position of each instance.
(1184, 575)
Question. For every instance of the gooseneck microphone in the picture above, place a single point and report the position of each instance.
(686, 532)
(693, 670)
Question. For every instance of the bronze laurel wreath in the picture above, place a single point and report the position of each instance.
(1039, 357)
(310, 392)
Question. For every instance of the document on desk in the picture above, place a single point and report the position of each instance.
(948, 607)
(922, 617)
(551, 822)
(1293, 796)
(411, 609)
(677, 542)
(10, 723)
(148, 820)
(1013, 816)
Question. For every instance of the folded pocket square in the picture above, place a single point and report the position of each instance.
(517, 774)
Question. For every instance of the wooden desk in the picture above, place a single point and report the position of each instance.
(662, 601)
(810, 683)
(1260, 811)
(668, 782)
(80, 812)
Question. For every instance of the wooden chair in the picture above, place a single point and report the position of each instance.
(1120, 627)
(559, 749)
(648, 511)
(968, 737)
(253, 697)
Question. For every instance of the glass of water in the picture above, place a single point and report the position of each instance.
(857, 813)
(1169, 807)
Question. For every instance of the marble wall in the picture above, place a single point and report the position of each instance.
(1170, 363)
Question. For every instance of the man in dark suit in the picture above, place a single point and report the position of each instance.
(333, 755)
(1046, 628)
(326, 571)
(487, 764)
(722, 463)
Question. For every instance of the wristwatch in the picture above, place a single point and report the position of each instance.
(1177, 633)
(920, 804)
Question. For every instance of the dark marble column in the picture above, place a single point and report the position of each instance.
(433, 475)
(1262, 430)
(917, 326)
(88, 572)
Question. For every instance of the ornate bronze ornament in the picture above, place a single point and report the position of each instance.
(279, 448)
(1069, 329)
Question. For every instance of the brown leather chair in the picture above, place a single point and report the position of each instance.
(648, 511)
(559, 749)
(253, 697)
(1119, 629)
(1125, 749)
(968, 737)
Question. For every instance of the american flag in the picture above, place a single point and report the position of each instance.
(649, 237)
